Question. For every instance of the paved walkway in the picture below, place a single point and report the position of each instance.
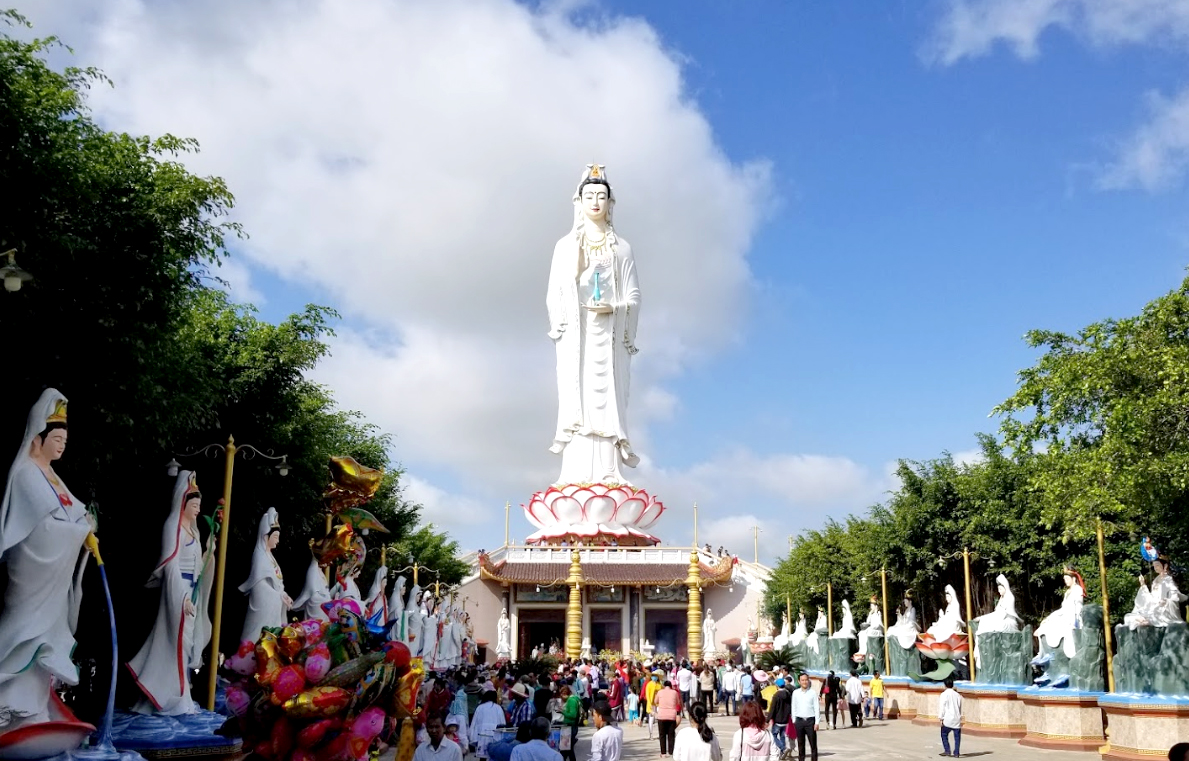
(876, 740)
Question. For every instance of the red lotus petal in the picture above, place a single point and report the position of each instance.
(530, 513)
(567, 510)
(943, 652)
(599, 509)
(569, 489)
(600, 488)
(583, 496)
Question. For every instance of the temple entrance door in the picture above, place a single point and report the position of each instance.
(606, 630)
(666, 638)
(540, 627)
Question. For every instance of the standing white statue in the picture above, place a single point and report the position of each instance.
(429, 630)
(1159, 606)
(1002, 619)
(314, 594)
(906, 628)
(709, 632)
(874, 624)
(800, 633)
(950, 622)
(413, 621)
(185, 573)
(377, 600)
(265, 587)
(847, 630)
(594, 305)
(503, 636)
(1057, 627)
(397, 616)
(42, 531)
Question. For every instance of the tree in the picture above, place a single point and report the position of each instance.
(1107, 411)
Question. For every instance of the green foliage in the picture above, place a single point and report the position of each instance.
(789, 657)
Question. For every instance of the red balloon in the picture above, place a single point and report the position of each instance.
(289, 682)
(398, 654)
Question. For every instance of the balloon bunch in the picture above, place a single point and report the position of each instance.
(324, 691)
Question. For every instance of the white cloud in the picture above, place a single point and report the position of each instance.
(237, 281)
(1155, 156)
(968, 457)
(972, 28)
(451, 512)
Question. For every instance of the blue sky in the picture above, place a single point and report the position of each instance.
(846, 215)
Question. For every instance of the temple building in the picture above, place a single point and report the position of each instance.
(580, 595)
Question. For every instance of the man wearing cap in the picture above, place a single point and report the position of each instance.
(780, 711)
(522, 708)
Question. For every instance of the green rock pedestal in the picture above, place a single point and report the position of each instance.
(1152, 660)
(1004, 658)
(818, 661)
(840, 652)
(904, 659)
(1087, 668)
(875, 660)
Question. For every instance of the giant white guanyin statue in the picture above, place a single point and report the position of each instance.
(594, 305)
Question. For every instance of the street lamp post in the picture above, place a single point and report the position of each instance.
(249, 453)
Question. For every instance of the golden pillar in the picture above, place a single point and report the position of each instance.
(1106, 609)
(220, 571)
(574, 611)
(694, 611)
(969, 610)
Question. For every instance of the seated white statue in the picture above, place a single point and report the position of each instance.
(950, 622)
(1057, 628)
(1159, 606)
(872, 627)
(906, 628)
(1002, 619)
(847, 630)
(820, 625)
(800, 633)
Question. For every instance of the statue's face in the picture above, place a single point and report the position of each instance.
(594, 202)
(53, 446)
(1158, 567)
(1068, 580)
(273, 539)
(192, 509)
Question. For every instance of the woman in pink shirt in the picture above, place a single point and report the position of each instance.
(668, 713)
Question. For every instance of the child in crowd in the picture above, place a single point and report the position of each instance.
(633, 704)
(866, 704)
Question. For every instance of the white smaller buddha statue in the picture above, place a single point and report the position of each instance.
(800, 633)
(1002, 619)
(1160, 605)
(847, 630)
(873, 626)
(950, 622)
(1056, 630)
(906, 628)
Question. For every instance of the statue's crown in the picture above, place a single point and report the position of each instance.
(59, 413)
(191, 485)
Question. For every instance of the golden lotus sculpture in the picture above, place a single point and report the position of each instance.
(351, 484)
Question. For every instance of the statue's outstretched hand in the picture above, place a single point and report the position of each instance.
(599, 308)
(188, 607)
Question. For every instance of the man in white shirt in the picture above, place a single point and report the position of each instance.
(730, 683)
(806, 716)
(685, 684)
(854, 699)
(536, 749)
(438, 748)
(607, 743)
(949, 710)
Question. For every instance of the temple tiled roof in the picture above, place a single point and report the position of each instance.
(627, 574)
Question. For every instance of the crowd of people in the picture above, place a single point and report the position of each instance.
(512, 713)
